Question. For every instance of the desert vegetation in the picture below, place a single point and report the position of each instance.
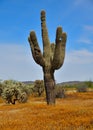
(73, 109)
(38, 87)
(12, 91)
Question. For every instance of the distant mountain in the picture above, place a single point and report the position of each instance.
(70, 83)
(61, 84)
(28, 82)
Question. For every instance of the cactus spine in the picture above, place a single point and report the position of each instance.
(52, 57)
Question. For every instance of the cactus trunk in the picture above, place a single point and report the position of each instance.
(49, 82)
(52, 57)
(50, 91)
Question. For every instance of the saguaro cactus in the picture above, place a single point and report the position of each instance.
(52, 57)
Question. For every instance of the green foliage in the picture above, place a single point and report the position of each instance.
(38, 87)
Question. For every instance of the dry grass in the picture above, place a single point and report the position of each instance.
(75, 112)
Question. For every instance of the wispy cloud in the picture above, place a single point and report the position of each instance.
(80, 57)
(82, 2)
(88, 28)
(85, 41)
(78, 2)
(86, 35)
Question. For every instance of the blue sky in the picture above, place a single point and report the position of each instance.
(19, 17)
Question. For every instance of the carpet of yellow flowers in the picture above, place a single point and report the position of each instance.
(75, 112)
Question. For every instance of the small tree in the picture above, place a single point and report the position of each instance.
(39, 87)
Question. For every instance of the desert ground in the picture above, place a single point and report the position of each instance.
(74, 112)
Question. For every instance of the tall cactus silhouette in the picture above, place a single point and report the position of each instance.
(52, 57)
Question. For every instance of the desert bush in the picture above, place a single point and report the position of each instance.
(38, 87)
(82, 88)
(59, 92)
(14, 91)
(23, 97)
(11, 94)
(28, 89)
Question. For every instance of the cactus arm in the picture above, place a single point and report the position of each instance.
(52, 51)
(36, 52)
(45, 39)
(59, 53)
